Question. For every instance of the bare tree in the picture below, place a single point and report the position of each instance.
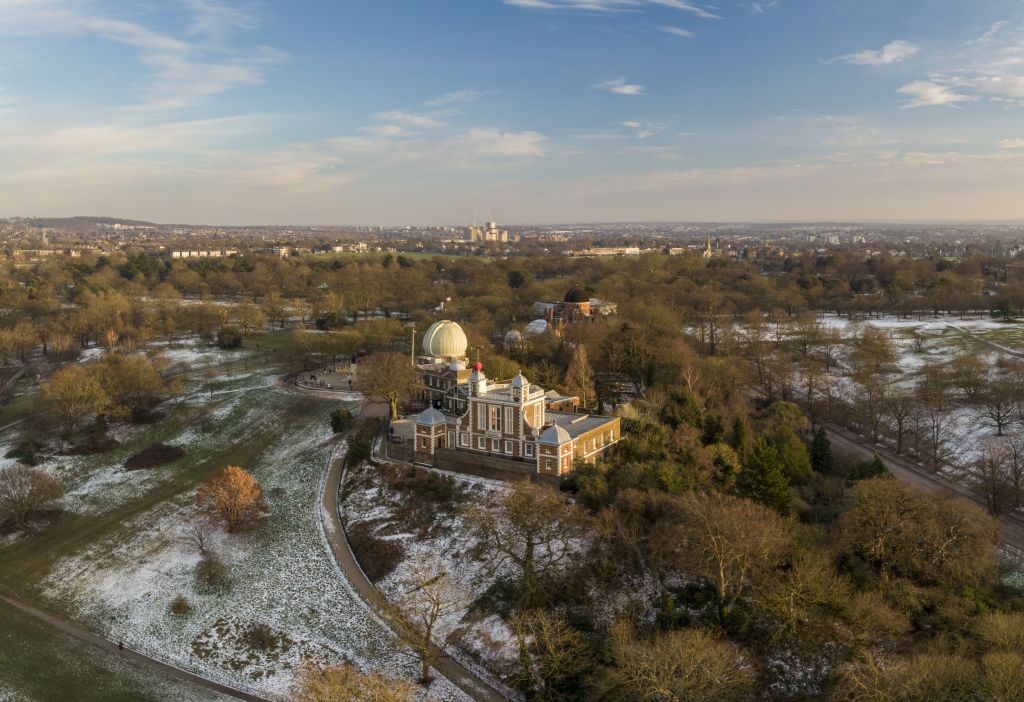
(24, 492)
(394, 379)
(553, 656)
(998, 405)
(428, 595)
(989, 475)
(531, 532)
(900, 408)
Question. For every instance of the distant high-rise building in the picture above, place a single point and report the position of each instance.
(489, 232)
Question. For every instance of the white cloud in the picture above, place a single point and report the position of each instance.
(613, 6)
(1011, 144)
(490, 143)
(182, 68)
(409, 119)
(893, 52)
(457, 97)
(678, 32)
(926, 93)
(642, 130)
(764, 6)
(619, 86)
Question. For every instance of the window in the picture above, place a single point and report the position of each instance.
(463, 439)
(528, 450)
(509, 426)
(508, 447)
(481, 443)
(481, 417)
(494, 416)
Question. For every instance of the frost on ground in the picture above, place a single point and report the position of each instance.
(484, 644)
(920, 341)
(282, 579)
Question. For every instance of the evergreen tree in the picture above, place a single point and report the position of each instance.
(739, 436)
(821, 452)
(763, 479)
(579, 379)
(796, 463)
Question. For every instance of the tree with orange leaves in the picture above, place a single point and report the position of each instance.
(234, 496)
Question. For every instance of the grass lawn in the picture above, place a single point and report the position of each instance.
(40, 664)
(120, 553)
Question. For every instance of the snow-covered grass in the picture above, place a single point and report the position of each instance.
(485, 644)
(121, 579)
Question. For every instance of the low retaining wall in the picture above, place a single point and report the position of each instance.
(490, 467)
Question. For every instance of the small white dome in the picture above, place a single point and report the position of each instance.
(536, 327)
(445, 339)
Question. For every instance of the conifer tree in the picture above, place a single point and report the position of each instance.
(821, 452)
(763, 479)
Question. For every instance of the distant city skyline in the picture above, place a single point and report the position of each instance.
(541, 111)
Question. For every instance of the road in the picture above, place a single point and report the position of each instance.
(334, 530)
(920, 477)
(112, 648)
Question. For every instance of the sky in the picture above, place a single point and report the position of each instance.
(528, 111)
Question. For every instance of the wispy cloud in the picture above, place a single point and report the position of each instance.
(642, 130)
(183, 68)
(457, 97)
(989, 67)
(614, 6)
(619, 86)
(409, 119)
(764, 6)
(893, 52)
(1011, 144)
(926, 93)
(678, 32)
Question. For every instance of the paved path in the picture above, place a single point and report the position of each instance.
(334, 530)
(128, 654)
(920, 477)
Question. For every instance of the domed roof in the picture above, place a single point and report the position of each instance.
(445, 339)
(513, 338)
(577, 295)
(555, 435)
(536, 327)
(430, 417)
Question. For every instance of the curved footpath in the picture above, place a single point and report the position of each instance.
(334, 531)
(127, 653)
(918, 476)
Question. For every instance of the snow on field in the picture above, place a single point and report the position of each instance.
(281, 574)
(486, 641)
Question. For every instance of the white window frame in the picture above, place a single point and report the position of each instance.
(508, 419)
(481, 443)
(464, 438)
(528, 450)
(509, 448)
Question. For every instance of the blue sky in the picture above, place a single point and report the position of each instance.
(430, 111)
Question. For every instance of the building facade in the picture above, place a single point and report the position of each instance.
(513, 419)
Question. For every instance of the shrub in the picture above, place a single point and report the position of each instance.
(260, 637)
(155, 455)
(341, 420)
(233, 496)
(25, 492)
(229, 338)
(180, 606)
(211, 571)
(378, 557)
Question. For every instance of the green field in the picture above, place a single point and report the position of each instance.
(118, 522)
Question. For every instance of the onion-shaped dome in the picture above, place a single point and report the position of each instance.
(536, 327)
(577, 295)
(445, 339)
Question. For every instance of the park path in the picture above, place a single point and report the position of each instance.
(334, 530)
(1012, 524)
(126, 653)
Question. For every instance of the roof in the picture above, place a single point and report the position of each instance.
(555, 435)
(445, 339)
(431, 417)
(578, 424)
(577, 295)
